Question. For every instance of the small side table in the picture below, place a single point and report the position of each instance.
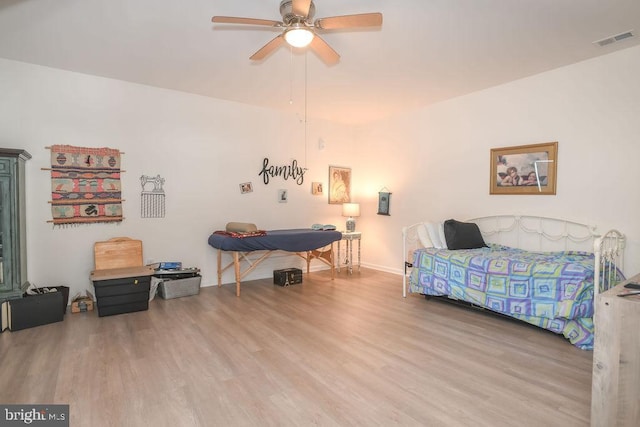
(349, 237)
(615, 385)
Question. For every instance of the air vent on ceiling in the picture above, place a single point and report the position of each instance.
(612, 39)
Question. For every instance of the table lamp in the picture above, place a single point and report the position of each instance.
(351, 210)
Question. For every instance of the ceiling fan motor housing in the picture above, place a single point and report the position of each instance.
(288, 17)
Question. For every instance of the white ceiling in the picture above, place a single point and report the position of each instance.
(426, 51)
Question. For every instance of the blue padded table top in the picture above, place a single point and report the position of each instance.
(294, 240)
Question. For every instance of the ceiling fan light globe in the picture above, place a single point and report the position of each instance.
(298, 37)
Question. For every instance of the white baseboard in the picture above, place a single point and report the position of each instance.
(313, 268)
(384, 268)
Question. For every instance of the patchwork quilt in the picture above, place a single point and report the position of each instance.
(552, 290)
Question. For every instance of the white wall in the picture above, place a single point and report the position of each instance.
(204, 148)
(436, 161)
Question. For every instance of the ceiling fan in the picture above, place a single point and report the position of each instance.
(299, 29)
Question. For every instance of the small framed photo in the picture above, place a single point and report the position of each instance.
(316, 188)
(282, 196)
(524, 169)
(246, 187)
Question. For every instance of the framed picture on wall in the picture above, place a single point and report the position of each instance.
(316, 188)
(384, 200)
(339, 185)
(524, 169)
(246, 187)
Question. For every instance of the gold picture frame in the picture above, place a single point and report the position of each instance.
(524, 169)
(339, 185)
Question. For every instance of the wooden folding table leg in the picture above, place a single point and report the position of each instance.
(333, 267)
(219, 267)
(236, 266)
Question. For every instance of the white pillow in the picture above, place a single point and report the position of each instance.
(443, 239)
(423, 236)
(433, 228)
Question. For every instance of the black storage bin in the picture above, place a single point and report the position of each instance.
(287, 276)
(124, 295)
(36, 310)
(65, 298)
(63, 289)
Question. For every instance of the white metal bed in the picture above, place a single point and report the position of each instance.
(539, 270)
(537, 233)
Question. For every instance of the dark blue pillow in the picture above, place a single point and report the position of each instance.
(462, 235)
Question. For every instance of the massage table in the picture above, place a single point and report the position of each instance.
(306, 243)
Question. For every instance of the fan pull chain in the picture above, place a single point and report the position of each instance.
(290, 75)
(305, 108)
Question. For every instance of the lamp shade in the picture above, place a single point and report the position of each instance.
(298, 37)
(351, 209)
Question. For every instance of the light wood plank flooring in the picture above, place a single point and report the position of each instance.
(348, 352)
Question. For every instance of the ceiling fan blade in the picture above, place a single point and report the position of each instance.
(247, 21)
(268, 48)
(349, 21)
(301, 7)
(324, 51)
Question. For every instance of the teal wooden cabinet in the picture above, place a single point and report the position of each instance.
(13, 248)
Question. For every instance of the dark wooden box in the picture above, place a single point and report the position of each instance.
(122, 295)
(287, 276)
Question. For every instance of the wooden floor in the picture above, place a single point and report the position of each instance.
(348, 352)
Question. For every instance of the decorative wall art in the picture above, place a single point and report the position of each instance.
(152, 203)
(246, 187)
(282, 196)
(384, 201)
(85, 185)
(316, 188)
(292, 171)
(339, 185)
(524, 169)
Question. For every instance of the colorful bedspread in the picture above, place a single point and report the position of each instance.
(552, 290)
